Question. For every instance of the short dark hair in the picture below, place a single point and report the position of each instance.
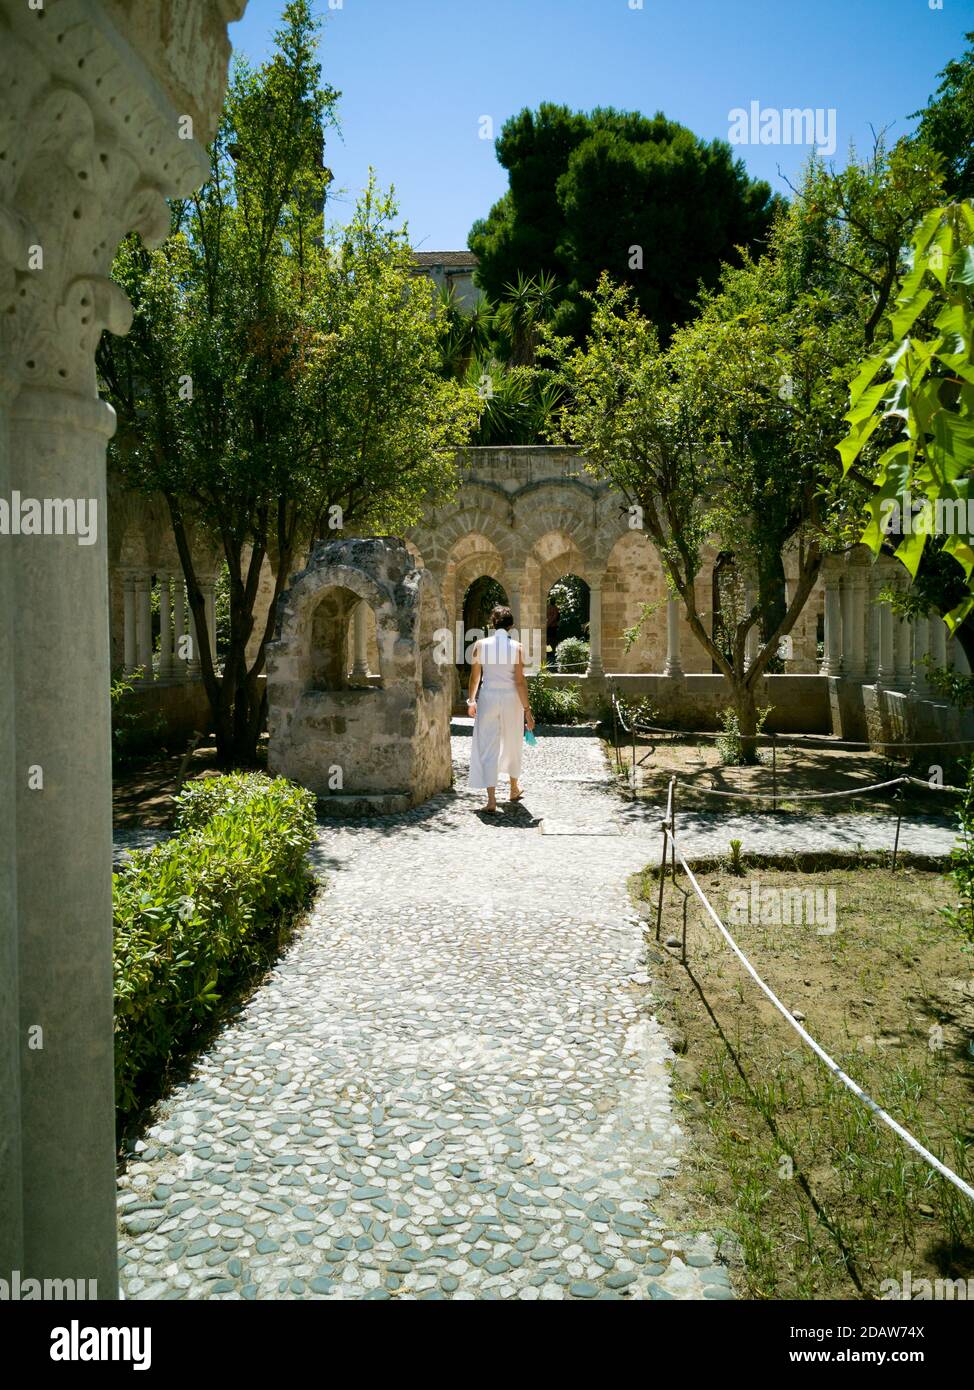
(501, 617)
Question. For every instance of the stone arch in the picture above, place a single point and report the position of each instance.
(389, 740)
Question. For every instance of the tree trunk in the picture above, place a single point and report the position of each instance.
(745, 707)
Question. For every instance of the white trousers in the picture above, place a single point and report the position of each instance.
(498, 735)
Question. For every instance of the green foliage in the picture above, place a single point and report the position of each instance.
(585, 188)
(572, 653)
(735, 864)
(961, 915)
(554, 703)
(132, 734)
(733, 748)
(947, 123)
(727, 437)
(196, 915)
(911, 405)
(282, 379)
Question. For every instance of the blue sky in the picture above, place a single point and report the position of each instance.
(418, 76)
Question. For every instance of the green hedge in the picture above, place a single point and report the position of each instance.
(196, 915)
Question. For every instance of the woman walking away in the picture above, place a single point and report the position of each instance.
(500, 711)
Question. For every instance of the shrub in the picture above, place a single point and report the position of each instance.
(730, 742)
(572, 652)
(196, 915)
(133, 736)
(554, 704)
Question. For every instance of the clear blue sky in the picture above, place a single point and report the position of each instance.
(416, 77)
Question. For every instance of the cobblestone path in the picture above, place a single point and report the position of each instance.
(451, 1086)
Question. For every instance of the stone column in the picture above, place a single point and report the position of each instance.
(886, 670)
(920, 685)
(208, 587)
(874, 610)
(753, 637)
(193, 664)
(360, 644)
(938, 641)
(674, 666)
(179, 627)
(853, 624)
(128, 581)
(96, 94)
(143, 624)
(832, 663)
(165, 627)
(902, 653)
(595, 628)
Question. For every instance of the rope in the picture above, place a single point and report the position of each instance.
(809, 796)
(820, 1052)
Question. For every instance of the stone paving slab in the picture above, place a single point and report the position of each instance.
(452, 1086)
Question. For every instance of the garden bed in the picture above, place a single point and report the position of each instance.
(821, 1199)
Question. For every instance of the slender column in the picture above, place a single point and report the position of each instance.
(873, 625)
(209, 604)
(674, 665)
(179, 627)
(595, 628)
(101, 96)
(920, 685)
(853, 625)
(832, 664)
(193, 665)
(938, 641)
(165, 627)
(131, 663)
(143, 624)
(360, 666)
(902, 653)
(886, 671)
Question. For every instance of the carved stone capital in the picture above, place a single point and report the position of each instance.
(93, 138)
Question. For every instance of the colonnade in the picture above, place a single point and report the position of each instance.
(177, 657)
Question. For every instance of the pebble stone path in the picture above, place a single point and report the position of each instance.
(452, 1085)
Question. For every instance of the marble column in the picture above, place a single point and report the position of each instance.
(874, 612)
(919, 684)
(165, 627)
(853, 624)
(674, 666)
(97, 95)
(902, 653)
(128, 599)
(208, 588)
(360, 644)
(180, 651)
(832, 663)
(886, 670)
(938, 642)
(143, 624)
(595, 667)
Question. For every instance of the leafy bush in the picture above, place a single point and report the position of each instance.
(554, 704)
(962, 861)
(196, 915)
(132, 735)
(730, 743)
(572, 652)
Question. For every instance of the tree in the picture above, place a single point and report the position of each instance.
(277, 382)
(947, 123)
(728, 437)
(911, 415)
(640, 198)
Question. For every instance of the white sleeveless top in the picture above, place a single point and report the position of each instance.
(498, 657)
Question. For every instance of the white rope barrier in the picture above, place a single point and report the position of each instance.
(806, 1037)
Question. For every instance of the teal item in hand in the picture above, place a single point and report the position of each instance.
(529, 738)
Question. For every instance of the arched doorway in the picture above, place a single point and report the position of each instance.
(481, 597)
(567, 617)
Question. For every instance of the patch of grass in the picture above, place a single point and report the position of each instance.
(823, 1200)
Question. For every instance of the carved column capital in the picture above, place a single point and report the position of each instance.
(91, 144)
